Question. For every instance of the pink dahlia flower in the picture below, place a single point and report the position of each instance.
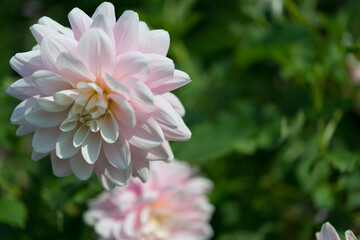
(328, 232)
(171, 206)
(97, 95)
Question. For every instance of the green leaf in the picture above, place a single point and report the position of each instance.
(344, 161)
(12, 212)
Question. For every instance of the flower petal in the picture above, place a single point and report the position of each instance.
(131, 64)
(64, 145)
(25, 129)
(18, 115)
(116, 86)
(118, 153)
(155, 41)
(48, 104)
(180, 79)
(73, 69)
(164, 112)
(139, 91)
(80, 168)
(56, 26)
(91, 147)
(48, 82)
(181, 133)
(146, 134)
(161, 153)
(328, 232)
(175, 103)
(126, 32)
(161, 70)
(109, 128)
(81, 135)
(61, 167)
(122, 110)
(26, 63)
(107, 9)
(79, 22)
(97, 51)
(44, 119)
(141, 169)
(44, 139)
(102, 22)
(52, 46)
(22, 89)
(35, 156)
(350, 235)
(117, 176)
(67, 125)
(40, 31)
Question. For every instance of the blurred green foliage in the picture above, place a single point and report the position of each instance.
(273, 110)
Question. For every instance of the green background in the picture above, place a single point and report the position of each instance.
(274, 113)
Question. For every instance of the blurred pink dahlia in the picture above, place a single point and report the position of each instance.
(171, 206)
(328, 232)
(97, 95)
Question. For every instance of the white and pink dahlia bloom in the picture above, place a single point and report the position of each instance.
(328, 232)
(171, 206)
(97, 95)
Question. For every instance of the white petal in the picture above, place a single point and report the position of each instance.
(118, 153)
(80, 168)
(91, 147)
(161, 70)
(25, 129)
(22, 89)
(175, 103)
(328, 232)
(143, 27)
(81, 135)
(104, 227)
(107, 9)
(161, 153)
(18, 116)
(141, 169)
(139, 90)
(116, 86)
(44, 139)
(40, 31)
(146, 134)
(155, 41)
(350, 235)
(122, 110)
(180, 79)
(126, 32)
(117, 176)
(49, 82)
(79, 21)
(26, 63)
(67, 126)
(66, 97)
(73, 69)
(44, 119)
(164, 112)
(48, 104)
(181, 133)
(61, 167)
(64, 145)
(131, 64)
(97, 51)
(35, 156)
(104, 24)
(56, 26)
(52, 46)
(109, 128)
